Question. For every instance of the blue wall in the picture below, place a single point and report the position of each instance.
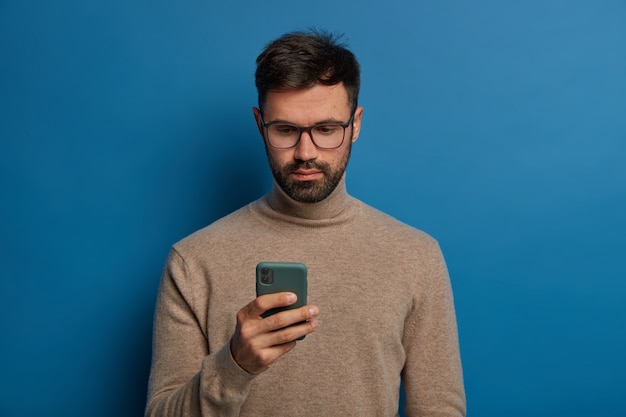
(497, 126)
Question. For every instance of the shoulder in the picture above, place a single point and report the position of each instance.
(217, 233)
(386, 225)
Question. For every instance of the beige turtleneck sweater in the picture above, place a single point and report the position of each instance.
(386, 315)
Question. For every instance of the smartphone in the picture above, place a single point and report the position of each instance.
(273, 277)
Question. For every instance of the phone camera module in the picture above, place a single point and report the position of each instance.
(267, 276)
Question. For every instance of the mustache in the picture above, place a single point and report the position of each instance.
(320, 166)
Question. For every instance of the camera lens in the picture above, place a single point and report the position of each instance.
(265, 279)
(265, 271)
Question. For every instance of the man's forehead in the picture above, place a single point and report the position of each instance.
(319, 99)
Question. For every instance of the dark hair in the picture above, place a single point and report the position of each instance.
(302, 59)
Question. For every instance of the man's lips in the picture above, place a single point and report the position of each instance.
(307, 174)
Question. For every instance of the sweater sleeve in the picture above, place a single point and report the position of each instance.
(432, 376)
(185, 378)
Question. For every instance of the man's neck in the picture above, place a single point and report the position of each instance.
(328, 208)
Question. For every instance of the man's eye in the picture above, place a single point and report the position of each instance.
(327, 129)
(284, 129)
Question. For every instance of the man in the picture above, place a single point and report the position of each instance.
(381, 308)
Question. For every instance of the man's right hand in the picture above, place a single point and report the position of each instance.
(258, 341)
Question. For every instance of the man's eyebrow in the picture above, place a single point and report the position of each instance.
(331, 120)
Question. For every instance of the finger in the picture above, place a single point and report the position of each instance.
(267, 302)
(290, 334)
(289, 317)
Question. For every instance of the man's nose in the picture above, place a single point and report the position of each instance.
(305, 149)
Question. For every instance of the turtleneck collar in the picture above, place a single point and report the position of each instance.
(331, 207)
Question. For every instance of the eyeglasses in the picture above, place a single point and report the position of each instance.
(283, 135)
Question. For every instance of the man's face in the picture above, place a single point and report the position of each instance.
(305, 172)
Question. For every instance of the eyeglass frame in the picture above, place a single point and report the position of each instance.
(308, 129)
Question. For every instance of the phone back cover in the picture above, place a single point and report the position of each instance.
(288, 277)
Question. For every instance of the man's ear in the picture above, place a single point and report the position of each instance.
(257, 119)
(356, 123)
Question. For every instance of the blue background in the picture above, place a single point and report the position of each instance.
(497, 126)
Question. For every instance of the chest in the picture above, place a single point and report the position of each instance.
(370, 290)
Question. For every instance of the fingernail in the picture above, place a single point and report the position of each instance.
(313, 311)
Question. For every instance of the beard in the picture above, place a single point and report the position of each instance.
(309, 191)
